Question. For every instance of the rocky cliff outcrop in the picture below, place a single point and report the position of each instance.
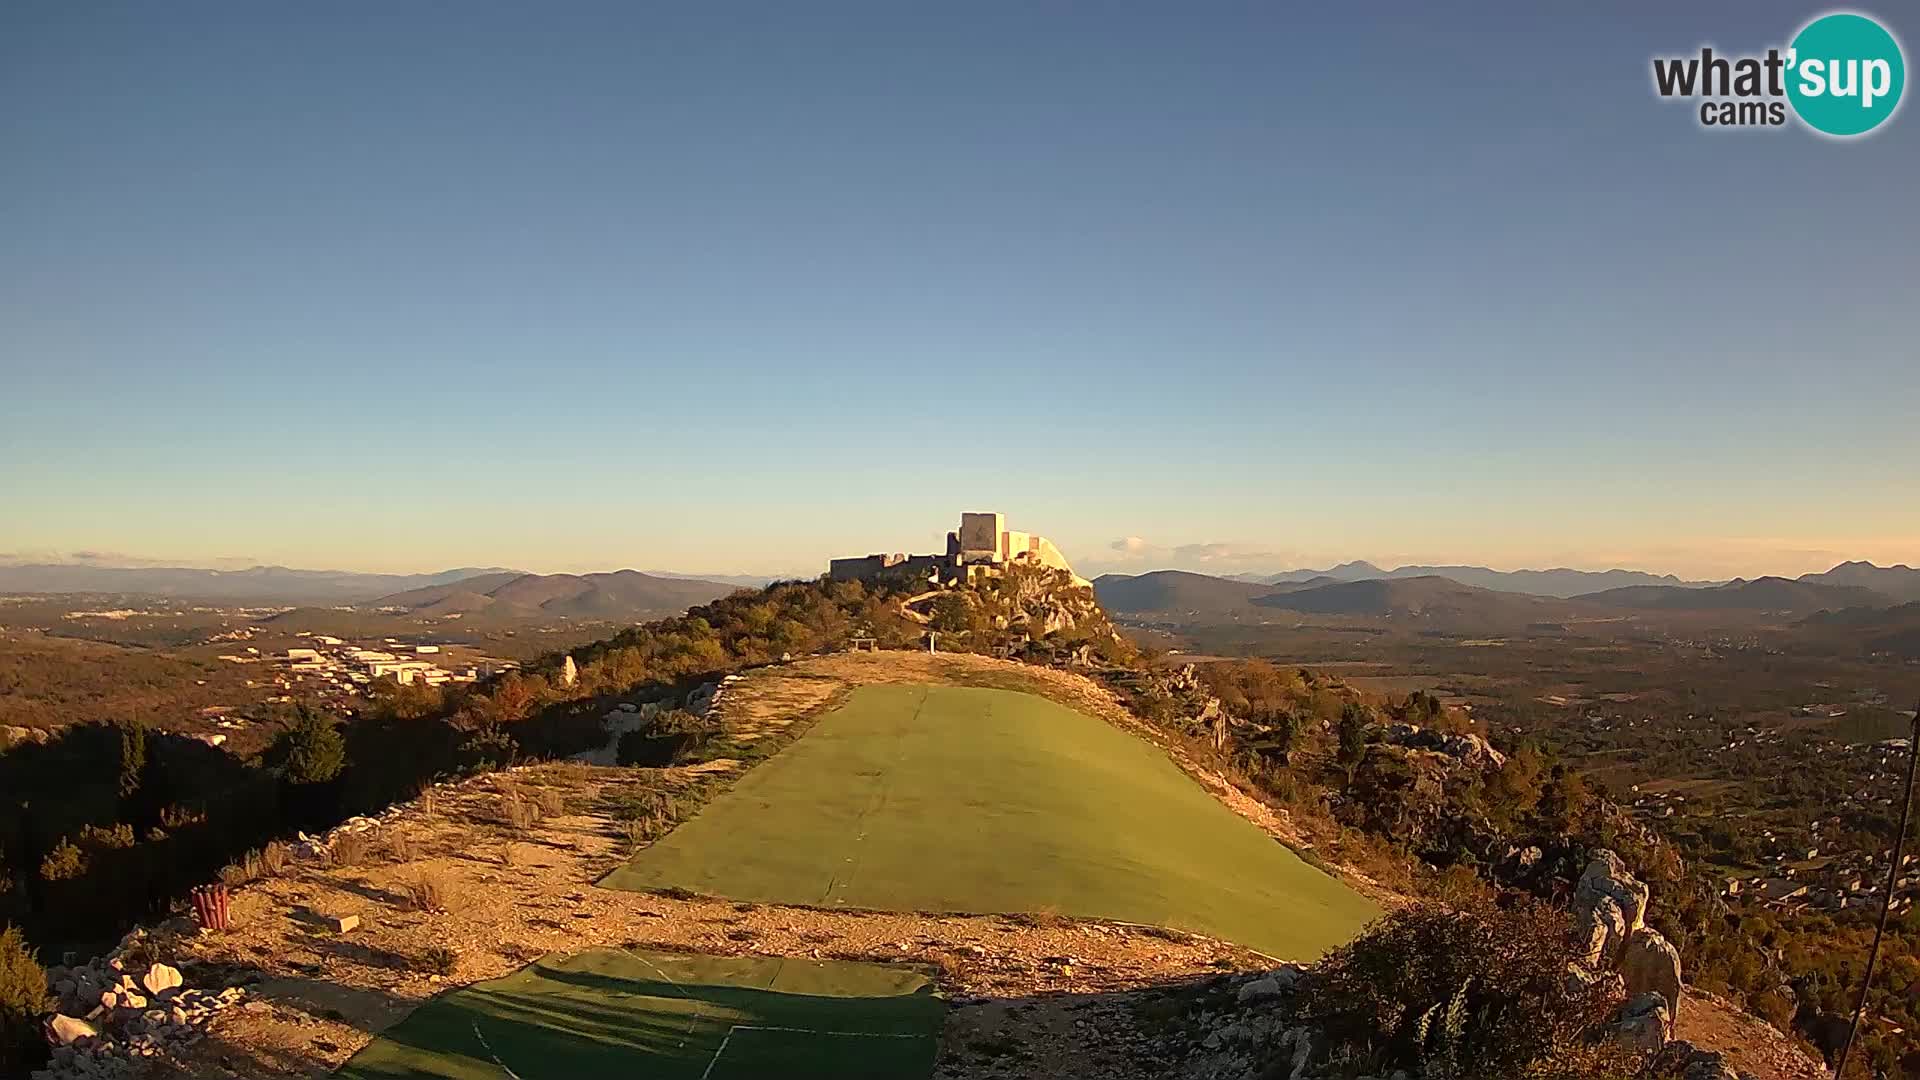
(1609, 904)
(1609, 918)
(1467, 749)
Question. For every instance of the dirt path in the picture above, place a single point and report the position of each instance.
(1749, 1043)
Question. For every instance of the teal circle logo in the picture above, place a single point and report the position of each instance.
(1845, 73)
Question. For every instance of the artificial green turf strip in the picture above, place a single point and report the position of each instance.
(609, 1013)
(961, 799)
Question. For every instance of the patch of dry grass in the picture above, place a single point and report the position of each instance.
(402, 848)
(430, 890)
(516, 811)
(351, 849)
(440, 960)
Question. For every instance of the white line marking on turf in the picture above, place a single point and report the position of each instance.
(490, 1052)
(879, 802)
(722, 1048)
(693, 1019)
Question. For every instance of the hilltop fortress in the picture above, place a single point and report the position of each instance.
(981, 545)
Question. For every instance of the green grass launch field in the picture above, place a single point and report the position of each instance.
(607, 1014)
(962, 799)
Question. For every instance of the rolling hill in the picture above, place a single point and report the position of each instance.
(1202, 598)
(1427, 596)
(1900, 583)
(1893, 630)
(1559, 582)
(1176, 592)
(1760, 594)
(623, 594)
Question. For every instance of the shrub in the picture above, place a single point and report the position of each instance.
(516, 811)
(251, 867)
(1478, 992)
(401, 848)
(428, 892)
(440, 960)
(23, 998)
(634, 748)
(1045, 917)
(669, 737)
(552, 803)
(638, 832)
(273, 858)
(133, 756)
(487, 749)
(179, 817)
(1355, 718)
(64, 863)
(647, 817)
(351, 848)
(310, 750)
(99, 838)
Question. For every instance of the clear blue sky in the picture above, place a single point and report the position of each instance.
(732, 287)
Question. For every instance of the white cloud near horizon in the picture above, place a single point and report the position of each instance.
(121, 560)
(1137, 552)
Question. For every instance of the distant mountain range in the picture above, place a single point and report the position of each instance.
(1760, 594)
(469, 590)
(623, 594)
(1177, 593)
(1428, 596)
(256, 585)
(1901, 582)
(1559, 582)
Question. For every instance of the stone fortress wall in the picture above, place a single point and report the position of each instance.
(981, 544)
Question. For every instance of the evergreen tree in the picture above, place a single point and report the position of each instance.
(310, 750)
(1355, 718)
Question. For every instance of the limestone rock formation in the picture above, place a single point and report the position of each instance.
(161, 978)
(1467, 749)
(1607, 877)
(1644, 1023)
(1601, 930)
(1609, 918)
(107, 1028)
(1650, 963)
(64, 1029)
(1604, 984)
